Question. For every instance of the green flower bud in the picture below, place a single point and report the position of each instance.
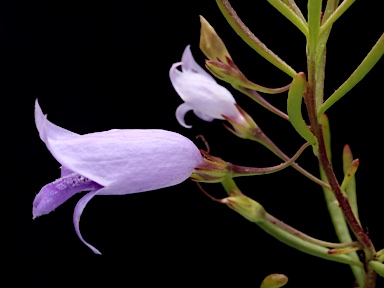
(274, 281)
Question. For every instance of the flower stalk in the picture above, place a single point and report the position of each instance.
(214, 169)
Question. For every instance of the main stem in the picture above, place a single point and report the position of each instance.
(362, 237)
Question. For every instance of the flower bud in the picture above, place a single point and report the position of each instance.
(200, 92)
(245, 206)
(211, 44)
(274, 281)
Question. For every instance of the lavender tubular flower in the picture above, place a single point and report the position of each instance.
(114, 162)
(200, 92)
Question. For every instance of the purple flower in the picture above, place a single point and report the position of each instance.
(113, 162)
(200, 92)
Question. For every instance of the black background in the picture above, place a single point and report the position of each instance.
(96, 66)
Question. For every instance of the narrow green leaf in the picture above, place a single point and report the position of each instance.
(350, 188)
(378, 267)
(366, 65)
(295, 98)
(290, 15)
(335, 15)
(314, 16)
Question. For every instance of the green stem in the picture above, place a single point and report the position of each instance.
(342, 199)
(261, 101)
(229, 185)
(253, 86)
(311, 99)
(341, 229)
(337, 217)
(268, 143)
(251, 171)
(326, 166)
(243, 31)
(321, 53)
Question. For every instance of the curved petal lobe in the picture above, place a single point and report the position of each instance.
(180, 114)
(77, 214)
(42, 124)
(189, 64)
(175, 75)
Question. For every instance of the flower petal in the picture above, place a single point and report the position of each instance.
(189, 64)
(206, 97)
(199, 90)
(65, 171)
(56, 193)
(56, 132)
(203, 116)
(77, 214)
(176, 76)
(123, 155)
(180, 114)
